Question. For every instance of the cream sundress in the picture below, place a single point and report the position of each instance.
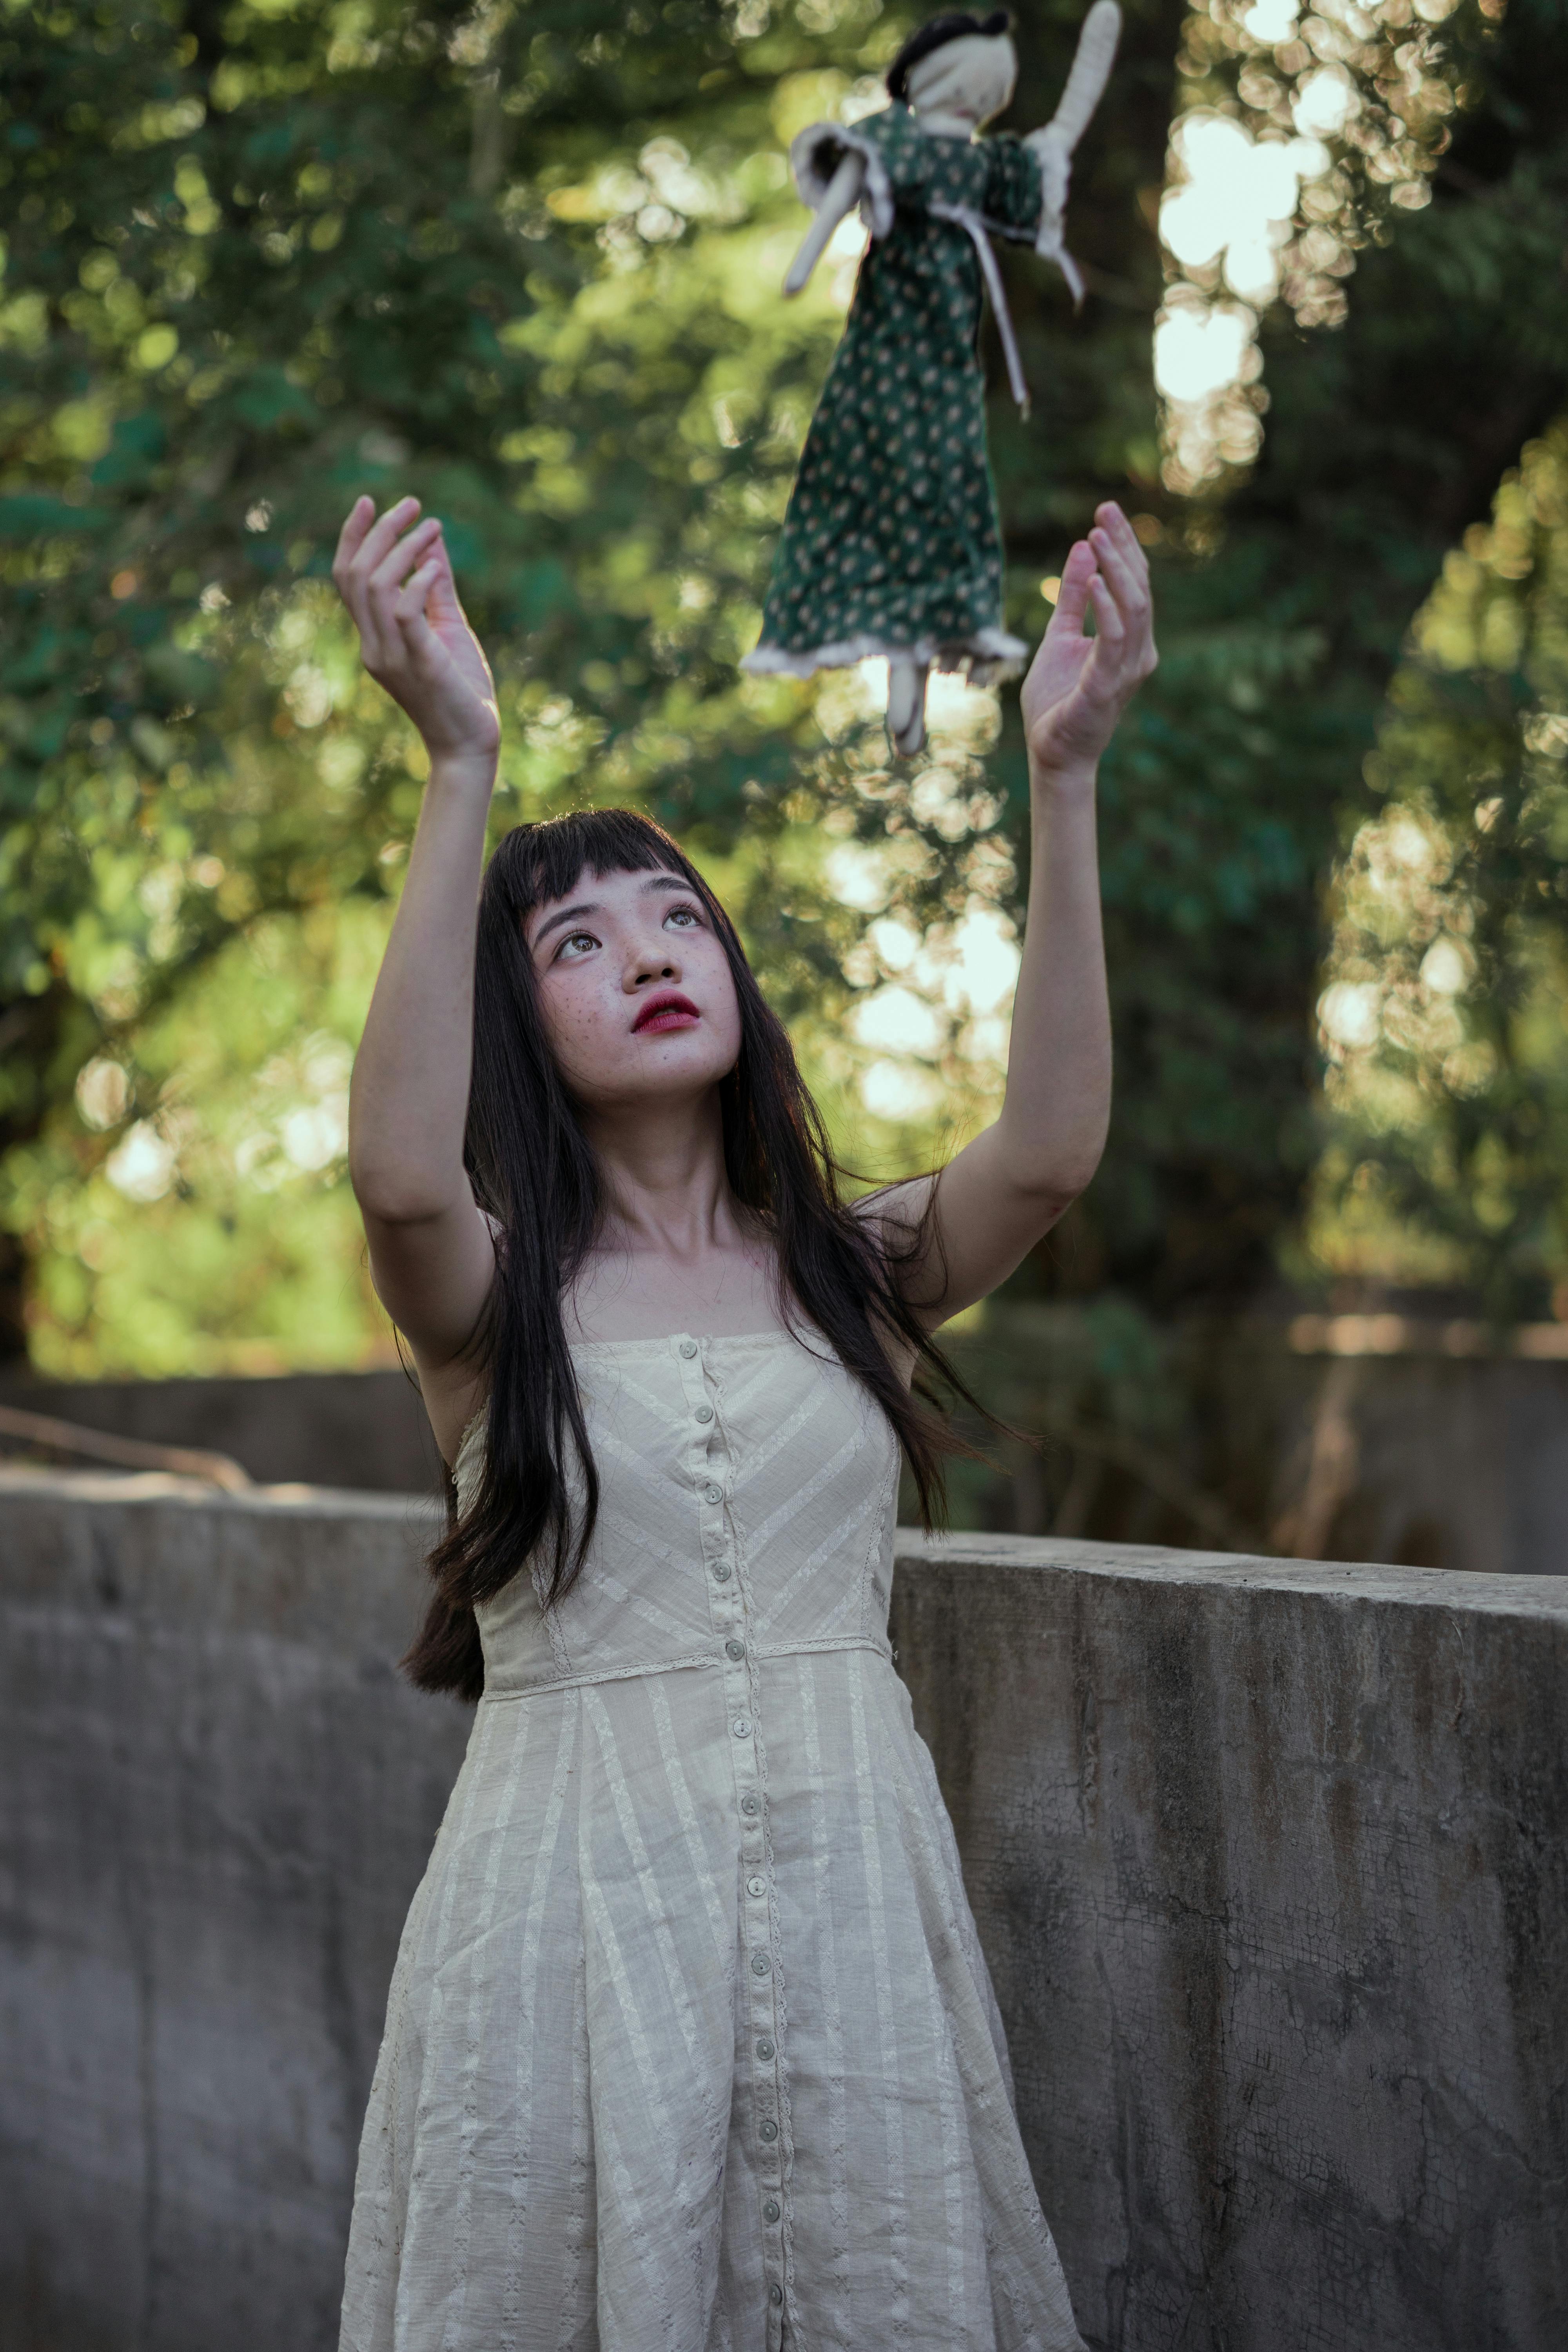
(691, 2045)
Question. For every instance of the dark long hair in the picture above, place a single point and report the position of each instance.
(535, 1176)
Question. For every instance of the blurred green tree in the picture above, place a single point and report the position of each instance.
(525, 262)
(522, 261)
(1242, 779)
(1446, 1016)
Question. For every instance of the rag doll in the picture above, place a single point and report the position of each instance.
(891, 545)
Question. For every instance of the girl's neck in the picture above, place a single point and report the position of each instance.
(677, 1251)
(666, 1189)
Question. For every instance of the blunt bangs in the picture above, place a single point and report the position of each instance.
(546, 860)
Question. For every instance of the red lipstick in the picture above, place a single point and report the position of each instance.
(667, 1011)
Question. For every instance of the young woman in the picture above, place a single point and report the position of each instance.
(691, 2045)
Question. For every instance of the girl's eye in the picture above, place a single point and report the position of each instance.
(682, 915)
(575, 943)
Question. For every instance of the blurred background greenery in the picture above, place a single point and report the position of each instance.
(524, 260)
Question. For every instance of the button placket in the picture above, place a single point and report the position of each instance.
(728, 1612)
(767, 2142)
(762, 1977)
(709, 1456)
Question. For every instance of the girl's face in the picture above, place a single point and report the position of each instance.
(635, 990)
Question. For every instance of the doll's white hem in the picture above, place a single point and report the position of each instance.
(985, 657)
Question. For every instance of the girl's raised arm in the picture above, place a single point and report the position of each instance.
(997, 1197)
(430, 1248)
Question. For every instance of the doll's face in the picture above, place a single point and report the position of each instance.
(970, 80)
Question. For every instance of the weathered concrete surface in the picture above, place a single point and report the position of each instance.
(219, 1797)
(1269, 1861)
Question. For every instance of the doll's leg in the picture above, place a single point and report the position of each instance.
(907, 706)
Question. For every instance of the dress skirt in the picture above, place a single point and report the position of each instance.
(691, 2045)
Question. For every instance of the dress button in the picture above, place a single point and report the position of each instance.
(762, 1965)
(740, 1727)
(704, 1413)
(722, 1573)
(764, 2048)
(712, 1494)
(770, 2210)
(776, 2294)
(756, 1885)
(734, 1649)
(769, 2132)
(688, 1349)
(748, 1803)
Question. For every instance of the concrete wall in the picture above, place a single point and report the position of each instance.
(217, 1800)
(1412, 1457)
(323, 1429)
(1269, 1861)
(1416, 1457)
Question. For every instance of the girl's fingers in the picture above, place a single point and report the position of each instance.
(1118, 578)
(412, 598)
(421, 646)
(1112, 520)
(380, 594)
(1133, 601)
(399, 561)
(1108, 572)
(1141, 650)
(444, 601)
(1072, 597)
(1110, 630)
(1126, 566)
(377, 543)
(356, 522)
(1131, 590)
(351, 572)
(346, 579)
(381, 535)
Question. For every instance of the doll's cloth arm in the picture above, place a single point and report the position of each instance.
(1052, 146)
(816, 155)
(840, 196)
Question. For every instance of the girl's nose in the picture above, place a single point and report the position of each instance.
(655, 965)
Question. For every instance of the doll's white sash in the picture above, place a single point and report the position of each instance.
(979, 230)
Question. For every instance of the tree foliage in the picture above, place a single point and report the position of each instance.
(1384, 439)
(525, 261)
(1446, 1010)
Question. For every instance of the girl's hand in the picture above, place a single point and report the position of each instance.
(1078, 687)
(395, 577)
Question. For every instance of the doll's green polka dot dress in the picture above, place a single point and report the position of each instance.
(891, 544)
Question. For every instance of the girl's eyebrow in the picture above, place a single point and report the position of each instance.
(567, 915)
(591, 906)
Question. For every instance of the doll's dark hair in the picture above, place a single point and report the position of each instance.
(534, 1174)
(954, 26)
